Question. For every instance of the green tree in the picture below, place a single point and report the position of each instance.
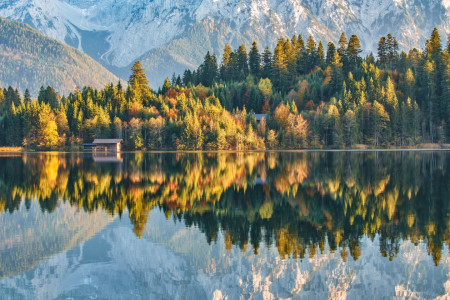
(380, 119)
(255, 60)
(166, 86)
(331, 49)
(138, 75)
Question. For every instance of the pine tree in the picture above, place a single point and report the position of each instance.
(434, 47)
(337, 76)
(350, 128)
(382, 51)
(392, 50)
(26, 97)
(313, 56)
(279, 63)
(255, 60)
(166, 86)
(330, 53)
(380, 119)
(138, 75)
(300, 43)
(391, 104)
(174, 80)
(353, 51)
(267, 63)
(242, 58)
(342, 50)
(409, 84)
(321, 54)
(290, 63)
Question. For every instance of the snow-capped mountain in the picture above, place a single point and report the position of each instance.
(118, 32)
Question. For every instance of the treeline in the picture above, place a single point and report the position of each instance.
(310, 98)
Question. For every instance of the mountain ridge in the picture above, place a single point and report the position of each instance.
(130, 31)
(29, 59)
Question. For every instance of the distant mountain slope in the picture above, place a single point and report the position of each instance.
(29, 59)
(164, 32)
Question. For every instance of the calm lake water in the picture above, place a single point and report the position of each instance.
(312, 225)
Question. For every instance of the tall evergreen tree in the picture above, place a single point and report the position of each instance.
(353, 51)
(225, 65)
(138, 75)
(382, 51)
(242, 58)
(27, 97)
(331, 48)
(255, 60)
(321, 54)
(166, 86)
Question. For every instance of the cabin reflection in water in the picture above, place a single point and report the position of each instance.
(107, 157)
(113, 145)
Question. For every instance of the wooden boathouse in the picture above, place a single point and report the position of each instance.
(113, 145)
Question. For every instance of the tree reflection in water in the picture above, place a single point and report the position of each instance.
(299, 202)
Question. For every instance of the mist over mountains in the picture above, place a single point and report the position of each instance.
(170, 36)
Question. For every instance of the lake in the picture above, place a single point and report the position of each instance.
(266, 225)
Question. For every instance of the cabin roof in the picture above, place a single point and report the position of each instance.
(258, 117)
(107, 141)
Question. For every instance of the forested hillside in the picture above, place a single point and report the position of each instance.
(312, 96)
(29, 59)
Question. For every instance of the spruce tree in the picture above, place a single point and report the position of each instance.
(279, 63)
(331, 48)
(242, 58)
(300, 43)
(342, 50)
(353, 50)
(382, 51)
(27, 97)
(225, 65)
(337, 76)
(321, 54)
(392, 51)
(166, 86)
(255, 60)
(434, 48)
(266, 63)
(311, 49)
(138, 75)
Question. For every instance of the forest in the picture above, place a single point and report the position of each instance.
(29, 59)
(310, 98)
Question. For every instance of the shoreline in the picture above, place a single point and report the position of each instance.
(232, 151)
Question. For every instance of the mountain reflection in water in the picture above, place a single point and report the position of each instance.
(300, 203)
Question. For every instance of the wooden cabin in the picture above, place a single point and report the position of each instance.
(258, 117)
(113, 145)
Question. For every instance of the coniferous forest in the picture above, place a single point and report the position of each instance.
(312, 96)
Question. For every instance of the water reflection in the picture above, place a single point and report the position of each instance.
(300, 203)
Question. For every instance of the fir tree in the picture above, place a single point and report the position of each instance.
(330, 53)
(138, 75)
(242, 59)
(166, 86)
(255, 60)
(267, 63)
(321, 54)
(353, 50)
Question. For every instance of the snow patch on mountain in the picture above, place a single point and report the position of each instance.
(135, 27)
